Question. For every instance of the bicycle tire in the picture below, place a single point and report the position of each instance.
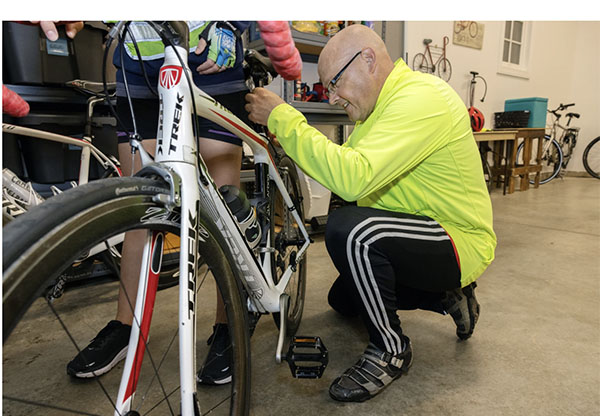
(552, 157)
(42, 242)
(420, 64)
(591, 159)
(444, 69)
(473, 33)
(283, 234)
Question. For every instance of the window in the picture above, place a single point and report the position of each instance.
(515, 49)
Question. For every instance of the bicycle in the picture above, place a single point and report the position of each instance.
(444, 69)
(591, 158)
(174, 193)
(556, 150)
(462, 25)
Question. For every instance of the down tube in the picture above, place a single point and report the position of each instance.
(188, 266)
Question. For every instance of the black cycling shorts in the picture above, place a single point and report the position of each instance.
(146, 117)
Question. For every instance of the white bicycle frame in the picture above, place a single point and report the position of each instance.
(177, 157)
(88, 150)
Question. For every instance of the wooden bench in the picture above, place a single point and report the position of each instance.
(504, 160)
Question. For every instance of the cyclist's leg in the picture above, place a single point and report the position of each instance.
(133, 245)
(223, 161)
(222, 154)
(379, 253)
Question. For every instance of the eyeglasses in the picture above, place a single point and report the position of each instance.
(332, 86)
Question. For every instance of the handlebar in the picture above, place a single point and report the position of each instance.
(561, 107)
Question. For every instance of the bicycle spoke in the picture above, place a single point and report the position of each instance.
(156, 374)
(79, 350)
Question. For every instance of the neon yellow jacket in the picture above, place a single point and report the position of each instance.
(415, 153)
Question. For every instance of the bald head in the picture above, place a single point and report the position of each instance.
(349, 41)
(363, 79)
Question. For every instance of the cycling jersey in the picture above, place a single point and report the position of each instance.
(414, 154)
(152, 51)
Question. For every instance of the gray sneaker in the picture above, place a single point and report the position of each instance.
(374, 371)
(463, 307)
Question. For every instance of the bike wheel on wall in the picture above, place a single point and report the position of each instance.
(43, 242)
(591, 158)
(473, 29)
(552, 159)
(444, 69)
(421, 64)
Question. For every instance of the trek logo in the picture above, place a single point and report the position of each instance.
(193, 243)
(170, 76)
(176, 119)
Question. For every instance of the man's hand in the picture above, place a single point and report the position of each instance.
(49, 28)
(221, 52)
(260, 104)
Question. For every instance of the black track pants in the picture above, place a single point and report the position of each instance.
(388, 261)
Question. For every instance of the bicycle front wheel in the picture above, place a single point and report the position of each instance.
(42, 243)
(591, 158)
(444, 69)
(286, 238)
(552, 158)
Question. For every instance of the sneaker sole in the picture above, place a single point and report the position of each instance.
(91, 374)
(225, 380)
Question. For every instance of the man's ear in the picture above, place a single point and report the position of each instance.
(370, 57)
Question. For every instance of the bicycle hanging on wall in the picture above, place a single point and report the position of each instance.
(423, 62)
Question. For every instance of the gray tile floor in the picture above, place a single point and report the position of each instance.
(535, 351)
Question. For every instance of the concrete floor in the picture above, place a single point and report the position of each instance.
(535, 350)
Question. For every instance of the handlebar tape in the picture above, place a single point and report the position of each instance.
(281, 49)
(13, 104)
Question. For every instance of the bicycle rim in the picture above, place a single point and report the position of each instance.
(591, 158)
(552, 159)
(95, 212)
(444, 69)
(285, 238)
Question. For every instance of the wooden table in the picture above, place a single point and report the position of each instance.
(505, 145)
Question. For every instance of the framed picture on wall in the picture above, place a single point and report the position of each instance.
(468, 33)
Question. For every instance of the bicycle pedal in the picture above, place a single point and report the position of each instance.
(307, 357)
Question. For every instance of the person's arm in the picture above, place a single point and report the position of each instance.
(405, 133)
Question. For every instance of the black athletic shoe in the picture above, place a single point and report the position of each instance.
(374, 371)
(216, 369)
(462, 305)
(104, 352)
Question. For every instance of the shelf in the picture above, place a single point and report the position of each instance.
(315, 107)
(306, 43)
(322, 113)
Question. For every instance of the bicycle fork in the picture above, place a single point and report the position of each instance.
(146, 296)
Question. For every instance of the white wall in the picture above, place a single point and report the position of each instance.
(564, 67)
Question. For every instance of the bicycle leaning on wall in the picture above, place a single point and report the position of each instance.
(173, 193)
(557, 147)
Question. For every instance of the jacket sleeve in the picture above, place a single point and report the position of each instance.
(402, 134)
